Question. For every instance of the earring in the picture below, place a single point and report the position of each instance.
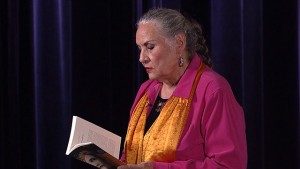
(180, 62)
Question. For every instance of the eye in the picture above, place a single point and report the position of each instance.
(150, 46)
(92, 159)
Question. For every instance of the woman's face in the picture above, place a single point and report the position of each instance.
(95, 161)
(157, 53)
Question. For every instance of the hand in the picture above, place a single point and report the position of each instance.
(144, 165)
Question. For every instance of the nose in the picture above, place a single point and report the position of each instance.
(143, 57)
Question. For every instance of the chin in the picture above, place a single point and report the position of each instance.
(152, 78)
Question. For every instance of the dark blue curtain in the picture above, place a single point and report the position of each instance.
(63, 58)
(254, 45)
(51, 52)
(35, 83)
(17, 140)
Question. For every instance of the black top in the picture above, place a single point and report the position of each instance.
(156, 108)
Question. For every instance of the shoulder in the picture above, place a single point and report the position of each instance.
(215, 88)
(212, 82)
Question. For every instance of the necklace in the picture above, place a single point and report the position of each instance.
(160, 104)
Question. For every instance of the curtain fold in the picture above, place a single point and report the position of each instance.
(9, 105)
(236, 28)
(298, 84)
(52, 81)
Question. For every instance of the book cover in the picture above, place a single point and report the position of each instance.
(93, 144)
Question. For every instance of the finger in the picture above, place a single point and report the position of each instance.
(123, 167)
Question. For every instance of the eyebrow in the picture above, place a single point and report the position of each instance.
(147, 42)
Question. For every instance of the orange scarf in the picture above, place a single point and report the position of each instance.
(161, 140)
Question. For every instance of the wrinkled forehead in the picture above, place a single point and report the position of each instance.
(146, 31)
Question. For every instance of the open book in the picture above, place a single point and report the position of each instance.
(94, 145)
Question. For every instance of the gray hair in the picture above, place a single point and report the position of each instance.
(171, 22)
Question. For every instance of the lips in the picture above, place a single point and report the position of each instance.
(148, 69)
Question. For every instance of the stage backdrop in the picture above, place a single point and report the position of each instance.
(62, 58)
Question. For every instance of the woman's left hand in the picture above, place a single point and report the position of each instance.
(144, 165)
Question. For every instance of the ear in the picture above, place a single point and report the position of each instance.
(180, 42)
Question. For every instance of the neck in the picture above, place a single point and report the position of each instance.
(169, 86)
(174, 81)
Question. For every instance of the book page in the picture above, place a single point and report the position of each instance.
(84, 132)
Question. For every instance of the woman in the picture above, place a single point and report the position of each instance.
(185, 116)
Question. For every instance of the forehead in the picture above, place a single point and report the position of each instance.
(147, 32)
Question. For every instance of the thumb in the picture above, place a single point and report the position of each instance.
(123, 167)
